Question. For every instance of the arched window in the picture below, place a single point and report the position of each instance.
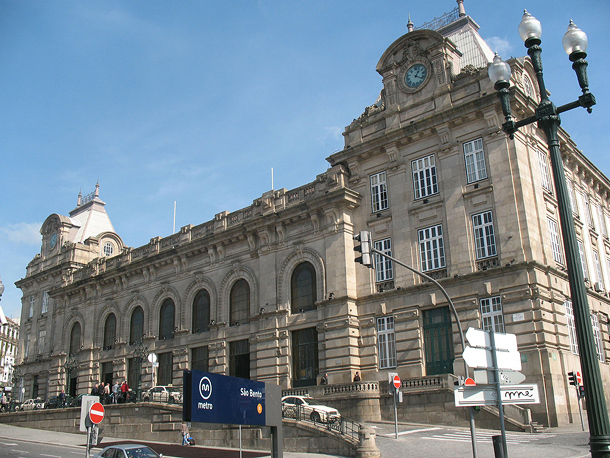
(75, 339)
(136, 328)
(201, 312)
(166, 320)
(303, 293)
(110, 332)
(240, 303)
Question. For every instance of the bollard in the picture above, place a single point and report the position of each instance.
(367, 448)
(498, 447)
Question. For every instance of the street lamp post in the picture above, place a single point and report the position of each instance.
(547, 117)
(140, 354)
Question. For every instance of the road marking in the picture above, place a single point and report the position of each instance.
(411, 431)
(8, 444)
(52, 456)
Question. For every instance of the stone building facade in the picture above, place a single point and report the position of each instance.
(271, 291)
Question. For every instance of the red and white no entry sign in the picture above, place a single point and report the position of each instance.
(396, 381)
(96, 413)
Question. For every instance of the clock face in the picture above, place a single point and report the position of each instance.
(53, 240)
(416, 75)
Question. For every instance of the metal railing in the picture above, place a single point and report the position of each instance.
(340, 425)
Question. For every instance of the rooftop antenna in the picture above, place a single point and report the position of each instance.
(174, 228)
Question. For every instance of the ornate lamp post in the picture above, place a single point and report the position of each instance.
(140, 354)
(70, 365)
(547, 117)
(15, 379)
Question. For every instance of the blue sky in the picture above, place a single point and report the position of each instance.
(196, 101)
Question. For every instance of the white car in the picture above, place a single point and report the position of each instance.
(306, 407)
(168, 394)
(32, 404)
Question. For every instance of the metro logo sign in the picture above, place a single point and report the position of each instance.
(215, 398)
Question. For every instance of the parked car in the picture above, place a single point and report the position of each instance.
(306, 407)
(168, 394)
(32, 404)
(127, 451)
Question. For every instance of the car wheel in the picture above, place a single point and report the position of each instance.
(315, 417)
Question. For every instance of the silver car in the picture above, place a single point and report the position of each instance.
(159, 393)
(128, 451)
(306, 407)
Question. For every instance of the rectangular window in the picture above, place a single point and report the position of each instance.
(484, 239)
(383, 266)
(45, 302)
(200, 360)
(166, 369)
(475, 160)
(305, 362)
(431, 248)
(555, 244)
(597, 335)
(571, 326)
(585, 198)
(386, 342)
(543, 165)
(42, 336)
(572, 198)
(26, 350)
(491, 314)
(424, 177)
(31, 309)
(598, 269)
(379, 192)
(239, 359)
(602, 221)
(583, 259)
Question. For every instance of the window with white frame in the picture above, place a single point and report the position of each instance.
(431, 248)
(571, 326)
(386, 342)
(484, 238)
(424, 176)
(597, 335)
(45, 302)
(474, 157)
(585, 198)
(31, 309)
(42, 336)
(379, 192)
(602, 221)
(555, 243)
(572, 198)
(26, 350)
(108, 249)
(491, 314)
(598, 269)
(583, 259)
(384, 269)
(543, 166)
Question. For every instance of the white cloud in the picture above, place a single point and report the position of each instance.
(23, 233)
(500, 45)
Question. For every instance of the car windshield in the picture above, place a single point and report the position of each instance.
(142, 452)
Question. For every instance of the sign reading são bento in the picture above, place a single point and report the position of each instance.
(219, 398)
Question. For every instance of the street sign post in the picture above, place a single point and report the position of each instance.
(507, 377)
(396, 381)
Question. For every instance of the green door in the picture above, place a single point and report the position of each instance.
(438, 341)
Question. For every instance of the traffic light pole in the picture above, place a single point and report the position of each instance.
(453, 310)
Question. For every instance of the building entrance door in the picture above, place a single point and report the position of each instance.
(438, 341)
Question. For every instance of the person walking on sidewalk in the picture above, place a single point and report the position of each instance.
(184, 429)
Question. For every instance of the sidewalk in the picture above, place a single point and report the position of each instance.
(168, 450)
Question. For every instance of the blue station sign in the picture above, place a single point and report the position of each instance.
(215, 398)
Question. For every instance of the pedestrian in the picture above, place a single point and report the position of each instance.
(115, 392)
(324, 380)
(107, 393)
(94, 391)
(184, 430)
(3, 402)
(124, 391)
(357, 377)
(62, 398)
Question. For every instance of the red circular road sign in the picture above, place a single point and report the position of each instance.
(96, 413)
(396, 381)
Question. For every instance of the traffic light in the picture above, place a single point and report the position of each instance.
(573, 378)
(364, 237)
(581, 392)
